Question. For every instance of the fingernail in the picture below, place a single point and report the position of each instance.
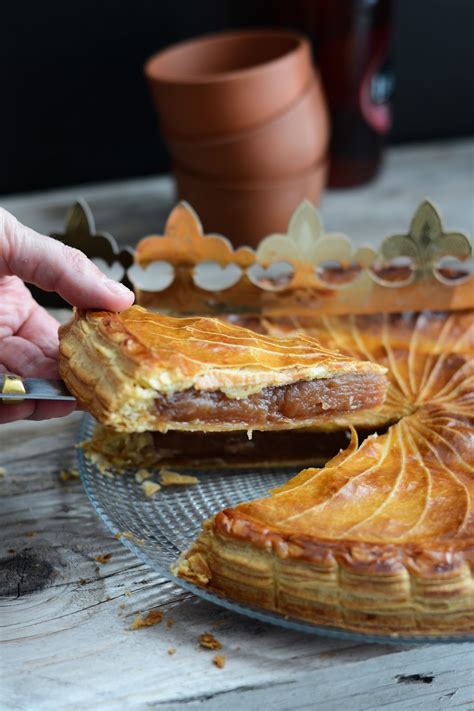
(117, 288)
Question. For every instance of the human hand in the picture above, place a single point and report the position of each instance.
(28, 334)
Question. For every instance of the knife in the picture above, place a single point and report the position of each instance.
(14, 388)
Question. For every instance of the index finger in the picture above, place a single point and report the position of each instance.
(53, 266)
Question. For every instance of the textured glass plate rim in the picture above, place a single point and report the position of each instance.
(273, 618)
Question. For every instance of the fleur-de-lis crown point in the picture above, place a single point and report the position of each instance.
(307, 242)
(426, 242)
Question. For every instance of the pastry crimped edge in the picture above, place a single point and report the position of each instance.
(117, 377)
(371, 588)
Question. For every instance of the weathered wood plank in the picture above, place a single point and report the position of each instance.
(68, 640)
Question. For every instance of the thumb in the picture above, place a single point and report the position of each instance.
(52, 266)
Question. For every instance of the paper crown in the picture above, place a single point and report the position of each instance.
(304, 269)
(186, 271)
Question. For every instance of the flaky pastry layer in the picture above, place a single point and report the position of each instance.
(373, 588)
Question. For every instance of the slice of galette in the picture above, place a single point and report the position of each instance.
(139, 371)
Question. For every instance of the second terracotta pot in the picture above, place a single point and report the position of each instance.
(287, 145)
(247, 212)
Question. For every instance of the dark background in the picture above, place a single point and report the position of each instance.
(74, 106)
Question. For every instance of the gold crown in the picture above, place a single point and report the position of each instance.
(185, 271)
(306, 269)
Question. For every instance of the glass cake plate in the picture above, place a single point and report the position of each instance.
(166, 525)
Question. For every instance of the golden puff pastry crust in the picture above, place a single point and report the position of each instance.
(381, 539)
(139, 371)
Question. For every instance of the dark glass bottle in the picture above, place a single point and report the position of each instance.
(351, 40)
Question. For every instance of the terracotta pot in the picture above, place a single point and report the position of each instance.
(228, 82)
(286, 145)
(247, 212)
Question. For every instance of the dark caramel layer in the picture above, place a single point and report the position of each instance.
(235, 449)
(303, 401)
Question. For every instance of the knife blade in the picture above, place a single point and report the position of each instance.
(14, 389)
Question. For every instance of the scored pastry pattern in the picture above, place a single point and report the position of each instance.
(393, 516)
(434, 440)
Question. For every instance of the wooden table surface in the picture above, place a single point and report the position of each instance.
(65, 616)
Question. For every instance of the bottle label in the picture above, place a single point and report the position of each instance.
(375, 93)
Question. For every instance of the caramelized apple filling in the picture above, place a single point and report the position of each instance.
(303, 401)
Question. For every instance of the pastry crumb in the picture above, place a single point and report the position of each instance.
(170, 623)
(66, 475)
(169, 478)
(153, 617)
(98, 460)
(122, 606)
(118, 450)
(127, 593)
(104, 558)
(83, 581)
(171, 651)
(131, 537)
(194, 567)
(208, 641)
(150, 488)
(219, 661)
(31, 534)
(143, 474)
(3, 471)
